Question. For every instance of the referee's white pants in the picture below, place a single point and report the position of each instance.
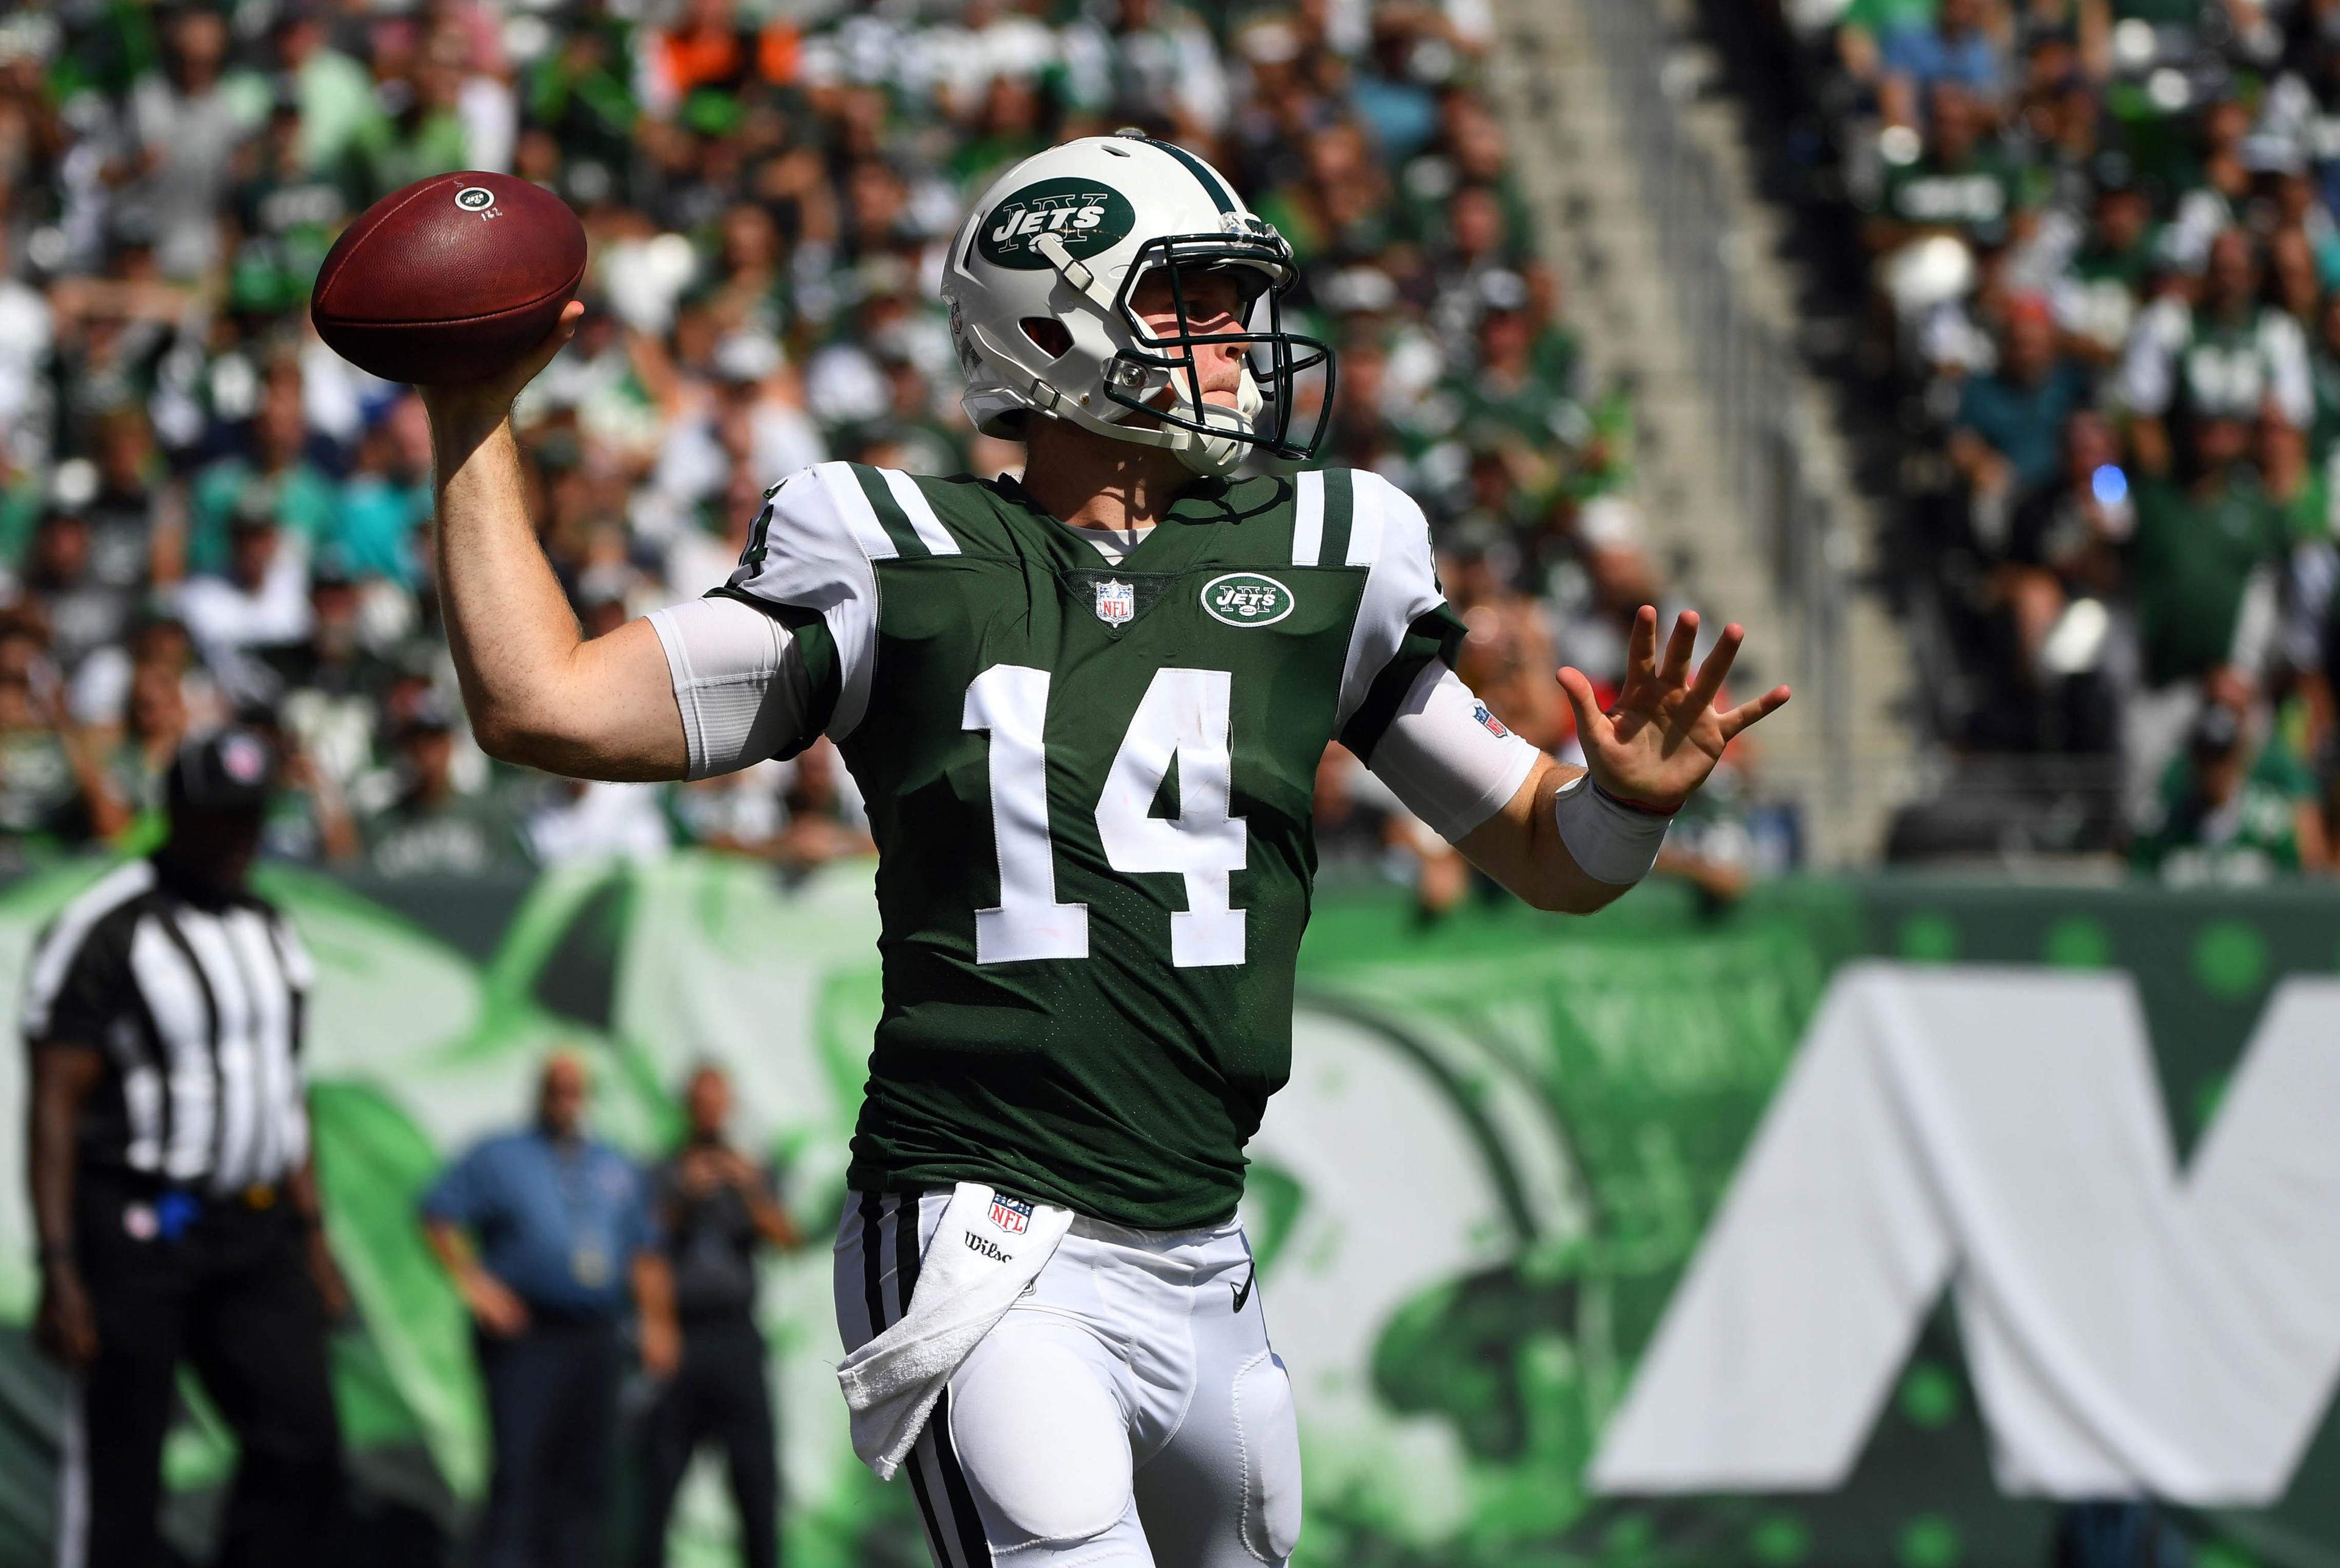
(1128, 1409)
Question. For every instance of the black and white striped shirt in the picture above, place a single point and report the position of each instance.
(198, 1009)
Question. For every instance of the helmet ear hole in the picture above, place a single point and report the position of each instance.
(1050, 336)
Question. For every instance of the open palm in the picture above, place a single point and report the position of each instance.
(1665, 735)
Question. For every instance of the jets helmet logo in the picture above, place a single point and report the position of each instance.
(1087, 216)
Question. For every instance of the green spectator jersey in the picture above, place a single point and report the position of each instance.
(1977, 196)
(2098, 300)
(2193, 557)
(467, 836)
(2252, 837)
(1881, 17)
(1091, 785)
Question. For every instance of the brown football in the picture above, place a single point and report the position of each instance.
(451, 278)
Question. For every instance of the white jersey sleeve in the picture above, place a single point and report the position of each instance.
(1403, 624)
(749, 691)
(1447, 758)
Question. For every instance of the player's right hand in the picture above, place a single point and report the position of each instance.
(467, 408)
(66, 1326)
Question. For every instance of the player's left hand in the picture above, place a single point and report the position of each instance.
(1665, 734)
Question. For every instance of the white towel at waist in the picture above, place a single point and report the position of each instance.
(971, 1275)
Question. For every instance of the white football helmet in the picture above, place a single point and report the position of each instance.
(1038, 283)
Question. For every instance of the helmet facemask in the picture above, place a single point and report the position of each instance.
(1273, 360)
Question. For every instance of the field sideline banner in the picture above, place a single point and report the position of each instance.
(1506, 1139)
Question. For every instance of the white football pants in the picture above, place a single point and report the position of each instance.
(1128, 1409)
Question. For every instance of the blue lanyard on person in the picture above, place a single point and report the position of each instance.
(589, 1258)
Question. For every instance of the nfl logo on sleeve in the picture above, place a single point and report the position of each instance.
(1117, 605)
(1012, 1214)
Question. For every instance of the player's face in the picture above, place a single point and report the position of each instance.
(1214, 305)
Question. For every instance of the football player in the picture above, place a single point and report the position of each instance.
(1086, 709)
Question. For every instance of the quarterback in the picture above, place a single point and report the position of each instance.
(1087, 709)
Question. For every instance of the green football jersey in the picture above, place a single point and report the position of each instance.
(1091, 784)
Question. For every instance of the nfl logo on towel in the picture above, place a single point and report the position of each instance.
(1012, 1214)
(1117, 605)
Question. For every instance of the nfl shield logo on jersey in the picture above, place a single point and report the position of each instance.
(1012, 1214)
(1117, 602)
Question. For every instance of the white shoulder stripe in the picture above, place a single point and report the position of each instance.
(1308, 517)
(1366, 491)
(914, 506)
(844, 493)
(54, 959)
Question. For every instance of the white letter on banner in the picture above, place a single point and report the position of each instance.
(2132, 1330)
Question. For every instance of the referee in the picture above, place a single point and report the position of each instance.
(173, 1192)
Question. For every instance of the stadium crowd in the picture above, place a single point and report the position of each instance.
(206, 514)
(2104, 253)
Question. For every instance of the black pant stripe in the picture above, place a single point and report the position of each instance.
(972, 1544)
(872, 1265)
(873, 1274)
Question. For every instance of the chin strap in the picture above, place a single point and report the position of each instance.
(1213, 455)
(1077, 274)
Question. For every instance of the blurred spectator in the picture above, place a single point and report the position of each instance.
(47, 788)
(2005, 438)
(2231, 809)
(278, 482)
(333, 94)
(1614, 578)
(2061, 570)
(386, 500)
(1956, 182)
(183, 128)
(155, 724)
(1953, 47)
(2226, 356)
(434, 827)
(259, 601)
(1709, 846)
(577, 820)
(84, 612)
(550, 1239)
(2204, 562)
(717, 1210)
(2099, 293)
(825, 817)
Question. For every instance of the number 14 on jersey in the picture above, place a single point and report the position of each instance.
(1184, 720)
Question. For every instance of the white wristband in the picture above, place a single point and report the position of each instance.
(1610, 841)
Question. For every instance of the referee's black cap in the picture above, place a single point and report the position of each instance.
(229, 769)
